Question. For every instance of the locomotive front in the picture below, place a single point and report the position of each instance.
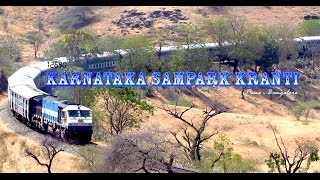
(78, 122)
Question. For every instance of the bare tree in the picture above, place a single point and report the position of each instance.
(147, 151)
(49, 152)
(306, 150)
(192, 143)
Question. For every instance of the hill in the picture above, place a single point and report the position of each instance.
(246, 123)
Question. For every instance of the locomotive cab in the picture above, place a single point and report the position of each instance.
(76, 116)
(77, 120)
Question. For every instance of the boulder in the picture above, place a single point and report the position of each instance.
(148, 22)
(134, 13)
(155, 14)
(134, 19)
(167, 13)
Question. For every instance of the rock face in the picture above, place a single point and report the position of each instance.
(134, 19)
(3, 82)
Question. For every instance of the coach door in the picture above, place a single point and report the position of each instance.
(14, 102)
(19, 105)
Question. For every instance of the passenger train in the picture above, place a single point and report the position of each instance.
(71, 121)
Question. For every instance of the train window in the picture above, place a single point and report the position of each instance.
(85, 113)
(108, 64)
(74, 113)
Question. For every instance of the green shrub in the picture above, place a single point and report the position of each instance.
(181, 102)
(303, 108)
(75, 18)
(221, 158)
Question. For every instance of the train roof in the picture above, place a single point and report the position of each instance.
(28, 91)
(42, 66)
(73, 107)
(18, 79)
(32, 72)
(40, 97)
(307, 38)
(59, 102)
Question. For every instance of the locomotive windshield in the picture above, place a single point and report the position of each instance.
(85, 113)
(73, 113)
(77, 113)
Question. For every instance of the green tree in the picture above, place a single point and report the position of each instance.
(140, 57)
(270, 54)
(56, 49)
(188, 57)
(219, 31)
(35, 38)
(238, 33)
(76, 43)
(74, 18)
(122, 108)
(196, 60)
(284, 34)
(188, 34)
